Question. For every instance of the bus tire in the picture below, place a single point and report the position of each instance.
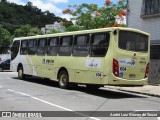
(21, 76)
(63, 80)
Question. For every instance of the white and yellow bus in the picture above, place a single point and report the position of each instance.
(98, 57)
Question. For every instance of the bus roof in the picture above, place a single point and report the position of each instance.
(80, 32)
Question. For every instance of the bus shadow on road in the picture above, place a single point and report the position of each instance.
(102, 92)
(109, 93)
(40, 81)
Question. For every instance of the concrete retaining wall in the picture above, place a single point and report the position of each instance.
(154, 72)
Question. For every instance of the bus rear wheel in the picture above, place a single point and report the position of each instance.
(63, 80)
(20, 73)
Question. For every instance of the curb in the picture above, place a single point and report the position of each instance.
(138, 92)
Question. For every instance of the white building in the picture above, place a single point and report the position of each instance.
(56, 26)
(145, 15)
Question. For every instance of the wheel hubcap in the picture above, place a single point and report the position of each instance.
(63, 80)
(20, 73)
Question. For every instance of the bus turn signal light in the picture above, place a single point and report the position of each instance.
(147, 70)
(115, 68)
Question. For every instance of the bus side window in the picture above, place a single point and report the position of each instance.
(99, 44)
(41, 49)
(15, 49)
(24, 46)
(52, 49)
(81, 45)
(65, 48)
(32, 46)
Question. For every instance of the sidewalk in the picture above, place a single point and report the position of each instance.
(152, 90)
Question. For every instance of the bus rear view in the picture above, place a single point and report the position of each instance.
(130, 58)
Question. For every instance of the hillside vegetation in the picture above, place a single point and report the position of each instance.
(13, 16)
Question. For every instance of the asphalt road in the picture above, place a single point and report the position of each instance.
(35, 94)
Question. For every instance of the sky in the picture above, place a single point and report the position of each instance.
(57, 6)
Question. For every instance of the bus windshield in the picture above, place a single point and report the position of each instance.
(15, 49)
(133, 41)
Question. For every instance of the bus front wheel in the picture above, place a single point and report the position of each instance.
(63, 80)
(20, 73)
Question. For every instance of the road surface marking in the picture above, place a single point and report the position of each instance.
(146, 110)
(1, 87)
(14, 73)
(5, 78)
(52, 104)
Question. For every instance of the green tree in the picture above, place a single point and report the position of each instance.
(34, 31)
(91, 16)
(22, 31)
(13, 16)
(27, 30)
(4, 1)
(5, 40)
(66, 23)
(54, 31)
(74, 28)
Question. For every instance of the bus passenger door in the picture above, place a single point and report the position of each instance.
(33, 65)
(29, 64)
(33, 62)
(37, 66)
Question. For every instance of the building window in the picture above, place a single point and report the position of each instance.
(155, 50)
(150, 7)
